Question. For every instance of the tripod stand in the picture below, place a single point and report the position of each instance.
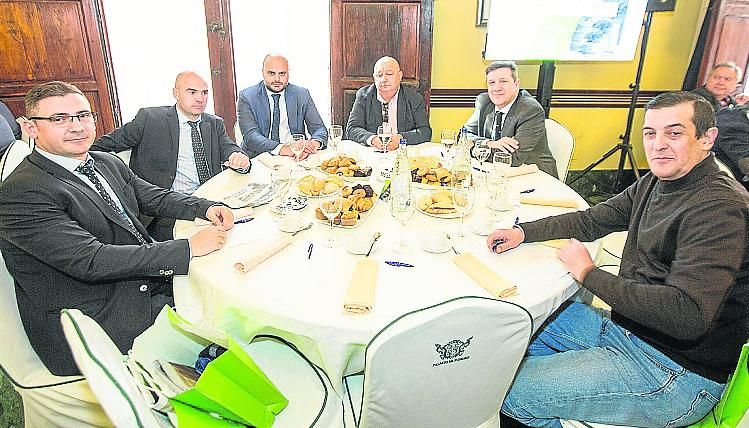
(624, 147)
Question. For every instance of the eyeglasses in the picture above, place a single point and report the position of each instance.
(63, 120)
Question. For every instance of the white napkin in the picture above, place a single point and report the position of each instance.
(514, 171)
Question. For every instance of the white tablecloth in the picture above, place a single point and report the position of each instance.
(301, 299)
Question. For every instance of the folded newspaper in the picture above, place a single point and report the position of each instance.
(255, 194)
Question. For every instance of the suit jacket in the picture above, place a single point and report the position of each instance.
(523, 122)
(66, 248)
(702, 91)
(254, 116)
(366, 116)
(153, 137)
(732, 144)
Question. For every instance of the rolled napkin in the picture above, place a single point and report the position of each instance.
(261, 253)
(271, 161)
(523, 169)
(558, 201)
(555, 243)
(361, 290)
(485, 277)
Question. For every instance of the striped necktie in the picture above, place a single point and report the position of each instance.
(198, 149)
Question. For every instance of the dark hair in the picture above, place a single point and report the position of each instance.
(46, 90)
(704, 114)
(504, 64)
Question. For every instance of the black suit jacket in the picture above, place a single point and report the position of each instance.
(153, 137)
(523, 122)
(366, 116)
(66, 248)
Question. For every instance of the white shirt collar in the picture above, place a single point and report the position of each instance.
(69, 164)
(392, 100)
(507, 108)
(183, 119)
(270, 93)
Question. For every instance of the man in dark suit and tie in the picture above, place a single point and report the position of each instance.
(388, 103)
(510, 120)
(270, 112)
(176, 147)
(70, 234)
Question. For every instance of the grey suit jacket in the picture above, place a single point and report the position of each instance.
(66, 248)
(524, 122)
(153, 137)
(254, 116)
(366, 116)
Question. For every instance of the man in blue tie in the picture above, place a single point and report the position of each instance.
(270, 112)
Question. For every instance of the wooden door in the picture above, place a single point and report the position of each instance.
(728, 38)
(362, 31)
(65, 40)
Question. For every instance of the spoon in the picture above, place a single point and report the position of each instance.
(375, 237)
(302, 229)
(451, 244)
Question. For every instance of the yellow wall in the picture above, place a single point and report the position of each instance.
(457, 63)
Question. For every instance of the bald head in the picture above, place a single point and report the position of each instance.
(191, 92)
(387, 76)
(275, 72)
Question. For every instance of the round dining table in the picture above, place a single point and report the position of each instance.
(298, 293)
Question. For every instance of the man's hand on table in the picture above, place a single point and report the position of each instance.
(221, 216)
(576, 259)
(502, 240)
(506, 144)
(311, 146)
(393, 145)
(238, 161)
(286, 151)
(207, 240)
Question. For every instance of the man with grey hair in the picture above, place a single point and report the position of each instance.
(721, 84)
(391, 104)
(507, 118)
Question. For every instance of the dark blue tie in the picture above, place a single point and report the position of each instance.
(275, 119)
(498, 125)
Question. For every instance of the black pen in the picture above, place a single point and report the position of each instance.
(399, 264)
(244, 220)
(309, 251)
(527, 190)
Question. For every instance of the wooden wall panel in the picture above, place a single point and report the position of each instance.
(728, 38)
(45, 40)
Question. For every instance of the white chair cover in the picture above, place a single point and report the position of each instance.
(14, 154)
(561, 145)
(449, 365)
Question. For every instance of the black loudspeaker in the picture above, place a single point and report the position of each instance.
(660, 5)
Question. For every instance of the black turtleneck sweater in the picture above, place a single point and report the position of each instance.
(683, 283)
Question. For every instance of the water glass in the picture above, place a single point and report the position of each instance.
(331, 205)
(335, 135)
(402, 208)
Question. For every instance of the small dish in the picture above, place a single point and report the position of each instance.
(359, 244)
(482, 227)
(435, 243)
(291, 222)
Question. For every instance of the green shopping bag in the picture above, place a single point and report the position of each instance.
(235, 388)
(734, 402)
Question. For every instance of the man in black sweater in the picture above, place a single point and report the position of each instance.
(679, 306)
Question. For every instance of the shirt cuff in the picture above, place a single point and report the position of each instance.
(369, 140)
(277, 150)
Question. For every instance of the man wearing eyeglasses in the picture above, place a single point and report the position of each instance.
(70, 234)
(176, 147)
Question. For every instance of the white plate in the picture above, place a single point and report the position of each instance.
(435, 246)
(448, 215)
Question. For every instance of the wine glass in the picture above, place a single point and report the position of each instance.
(402, 208)
(334, 137)
(447, 138)
(384, 134)
(497, 183)
(331, 205)
(482, 152)
(297, 145)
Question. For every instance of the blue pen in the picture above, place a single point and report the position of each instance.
(398, 264)
(244, 220)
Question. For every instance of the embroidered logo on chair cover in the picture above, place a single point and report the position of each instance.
(453, 349)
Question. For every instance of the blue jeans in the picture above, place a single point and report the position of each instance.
(582, 366)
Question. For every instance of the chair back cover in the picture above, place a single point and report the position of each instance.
(448, 365)
(14, 154)
(561, 145)
(103, 365)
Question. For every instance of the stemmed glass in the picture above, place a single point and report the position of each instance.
(298, 145)
(331, 206)
(482, 152)
(463, 196)
(334, 137)
(402, 208)
(498, 197)
(384, 134)
(447, 138)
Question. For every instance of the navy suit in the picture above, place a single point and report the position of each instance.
(254, 117)
(66, 248)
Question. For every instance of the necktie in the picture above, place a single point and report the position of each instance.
(498, 125)
(199, 151)
(276, 119)
(385, 114)
(87, 169)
